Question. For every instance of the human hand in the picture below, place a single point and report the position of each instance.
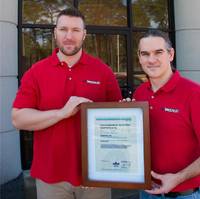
(72, 106)
(168, 182)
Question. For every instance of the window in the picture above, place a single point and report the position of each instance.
(42, 11)
(113, 26)
(154, 14)
(37, 44)
(104, 12)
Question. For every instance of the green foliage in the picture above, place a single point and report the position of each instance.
(43, 11)
(150, 13)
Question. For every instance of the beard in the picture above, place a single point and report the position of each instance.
(69, 52)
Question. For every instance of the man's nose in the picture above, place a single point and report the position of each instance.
(68, 34)
(152, 58)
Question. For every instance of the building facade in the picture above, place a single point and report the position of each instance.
(26, 35)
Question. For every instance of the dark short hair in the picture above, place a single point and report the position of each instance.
(158, 33)
(72, 12)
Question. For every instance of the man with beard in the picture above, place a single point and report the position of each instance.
(48, 103)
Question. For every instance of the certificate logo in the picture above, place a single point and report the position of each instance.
(116, 164)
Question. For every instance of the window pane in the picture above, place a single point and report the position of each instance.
(138, 79)
(43, 11)
(26, 140)
(104, 12)
(136, 64)
(37, 44)
(151, 13)
(138, 74)
(112, 50)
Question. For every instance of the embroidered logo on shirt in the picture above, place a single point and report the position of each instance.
(171, 110)
(92, 82)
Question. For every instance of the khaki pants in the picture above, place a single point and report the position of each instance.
(64, 190)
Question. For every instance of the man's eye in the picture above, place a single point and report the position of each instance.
(159, 52)
(62, 29)
(144, 54)
(76, 30)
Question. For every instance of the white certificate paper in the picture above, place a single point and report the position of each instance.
(115, 144)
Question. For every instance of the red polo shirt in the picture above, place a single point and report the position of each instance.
(174, 126)
(47, 85)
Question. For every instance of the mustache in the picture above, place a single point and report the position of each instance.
(68, 42)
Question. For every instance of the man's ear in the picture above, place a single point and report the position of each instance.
(85, 33)
(54, 32)
(138, 53)
(171, 54)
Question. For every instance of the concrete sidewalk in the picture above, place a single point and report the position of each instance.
(23, 187)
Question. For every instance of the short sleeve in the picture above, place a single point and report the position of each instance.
(27, 95)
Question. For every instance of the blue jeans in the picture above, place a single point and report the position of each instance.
(145, 195)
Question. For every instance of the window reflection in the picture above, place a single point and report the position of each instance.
(136, 64)
(138, 79)
(112, 50)
(154, 13)
(43, 11)
(104, 12)
(37, 44)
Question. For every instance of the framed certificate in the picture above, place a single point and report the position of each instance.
(116, 145)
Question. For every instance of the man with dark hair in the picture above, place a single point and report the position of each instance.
(73, 13)
(174, 121)
(48, 103)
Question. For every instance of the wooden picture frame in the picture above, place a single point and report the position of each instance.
(116, 145)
